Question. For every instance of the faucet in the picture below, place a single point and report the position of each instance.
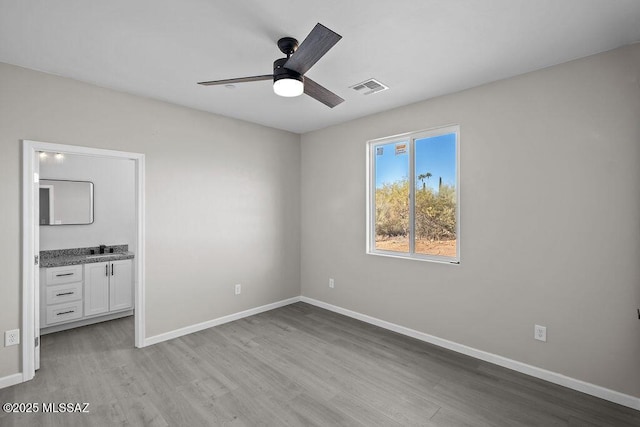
(102, 248)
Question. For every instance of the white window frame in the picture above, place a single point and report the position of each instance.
(409, 137)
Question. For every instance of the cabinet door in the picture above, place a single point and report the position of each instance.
(121, 287)
(96, 288)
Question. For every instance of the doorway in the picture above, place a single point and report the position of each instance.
(30, 244)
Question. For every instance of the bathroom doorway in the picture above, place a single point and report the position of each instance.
(32, 152)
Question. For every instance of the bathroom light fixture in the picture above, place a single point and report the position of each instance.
(59, 156)
(43, 155)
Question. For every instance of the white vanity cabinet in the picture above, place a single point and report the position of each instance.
(61, 295)
(81, 294)
(108, 287)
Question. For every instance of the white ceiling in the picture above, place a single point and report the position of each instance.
(420, 48)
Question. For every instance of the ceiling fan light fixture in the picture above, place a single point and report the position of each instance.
(288, 73)
(286, 82)
(288, 87)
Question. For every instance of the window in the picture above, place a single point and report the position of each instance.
(413, 196)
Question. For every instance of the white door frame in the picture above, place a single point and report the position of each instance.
(29, 303)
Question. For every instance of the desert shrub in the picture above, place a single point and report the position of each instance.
(392, 209)
(435, 211)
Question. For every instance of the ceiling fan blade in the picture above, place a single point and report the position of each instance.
(321, 93)
(238, 80)
(317, 43)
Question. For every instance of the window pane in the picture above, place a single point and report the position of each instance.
(392, 196)
(435, 207)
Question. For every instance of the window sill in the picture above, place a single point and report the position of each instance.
(440, 260)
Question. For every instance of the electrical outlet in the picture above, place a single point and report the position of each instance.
(540, 333)
(12, 337)
(332, 284)
(238, 289)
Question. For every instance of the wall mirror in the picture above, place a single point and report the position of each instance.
(66, 202)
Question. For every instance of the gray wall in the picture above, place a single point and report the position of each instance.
(223, 197)
(550, 229)
(114, 202)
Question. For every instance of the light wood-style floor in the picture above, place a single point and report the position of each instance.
(298, 365)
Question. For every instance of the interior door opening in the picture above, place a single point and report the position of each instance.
(54, 295)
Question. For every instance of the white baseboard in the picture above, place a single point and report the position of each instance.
(219, 321)
(10, 380)
(553, 377)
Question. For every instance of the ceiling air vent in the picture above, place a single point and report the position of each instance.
(370, 86)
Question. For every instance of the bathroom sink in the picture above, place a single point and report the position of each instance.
(101, 255)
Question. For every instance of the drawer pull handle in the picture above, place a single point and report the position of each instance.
(106, 270)
(65, 293)
(65, 312)
(65, 274)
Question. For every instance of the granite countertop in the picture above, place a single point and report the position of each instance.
(62, 257)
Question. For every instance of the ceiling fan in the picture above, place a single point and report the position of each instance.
(288, 73)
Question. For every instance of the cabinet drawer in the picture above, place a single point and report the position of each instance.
(64, 312)
(66, 274)
(63, 293)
